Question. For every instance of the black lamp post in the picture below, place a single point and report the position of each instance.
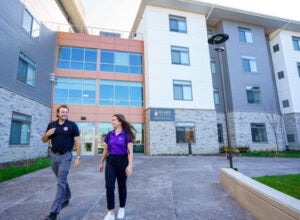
(216, 40)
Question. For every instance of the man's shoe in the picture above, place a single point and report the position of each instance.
(121, 213)
(51, 216)
(109, 216)
(64, 204)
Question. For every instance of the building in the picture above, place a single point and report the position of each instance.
(27, 49)
(285, 50)
(179, 81)
(98, 76)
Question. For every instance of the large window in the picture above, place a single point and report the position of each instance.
(180, 55)
(75, 91)
(26, 69)
(249, 64)
(182, 90)
(213, 65)
(77, 58)
(121, 93)
(220, 133)
(298, 68)
(185, 132)
(253, 94)
(296, 43)
(20, 129)
(259, 133)
(177, 24)
(291, 138)
(216, 96)
(120, 62)
(245, 35)
(30, 24)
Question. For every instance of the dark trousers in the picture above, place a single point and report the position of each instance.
(61, 166)
(115, 170)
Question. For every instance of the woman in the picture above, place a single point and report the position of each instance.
(118, 152)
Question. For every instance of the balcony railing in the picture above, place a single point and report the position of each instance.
(59, 27)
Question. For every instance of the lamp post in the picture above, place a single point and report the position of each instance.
(216, 40)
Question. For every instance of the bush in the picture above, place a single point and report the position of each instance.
(227, 149)
(243, 149)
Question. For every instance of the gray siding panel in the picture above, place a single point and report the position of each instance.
(15, 39)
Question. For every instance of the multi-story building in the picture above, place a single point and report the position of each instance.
(27, 50)
(285, 50)
(98, 76)
(180, 83)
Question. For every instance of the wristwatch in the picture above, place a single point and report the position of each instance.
(78, 157)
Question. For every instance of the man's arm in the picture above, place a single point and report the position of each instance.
(47, 135)
(78, 151)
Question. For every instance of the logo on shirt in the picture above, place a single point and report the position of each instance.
(121, 138)
(66, 128)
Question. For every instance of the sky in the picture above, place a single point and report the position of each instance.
(120, 14)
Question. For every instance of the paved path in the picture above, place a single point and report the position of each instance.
(181, 187)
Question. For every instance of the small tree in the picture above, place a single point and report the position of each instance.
(275, 123)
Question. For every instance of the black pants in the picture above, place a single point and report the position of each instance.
(115, 170)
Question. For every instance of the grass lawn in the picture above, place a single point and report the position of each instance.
(13, 170)
(288, 184)
(282, 154)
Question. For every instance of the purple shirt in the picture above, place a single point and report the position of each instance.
(117, 145)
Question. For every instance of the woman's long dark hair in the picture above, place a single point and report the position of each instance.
(126, 126)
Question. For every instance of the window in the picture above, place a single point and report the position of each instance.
(77, 58)
(285, 103)
(120, 93)
(103, 129)
(249, 64)
(216, 96)
(182, 90)
(280, 75)
(259, 133)
(138, 145)
(180, 55)
(220, 133)
(276, 48)
(177, 24)
(296, 43)
(75, 91)
(26, 69)
(30, 24)
(20, 129)
(213, 65)
(245, 35)
(291, 138)
(253, 94)
(120, 62)
(185, 132)
(209, 33)
(298, 68)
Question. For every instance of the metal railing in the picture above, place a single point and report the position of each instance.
(60, 27)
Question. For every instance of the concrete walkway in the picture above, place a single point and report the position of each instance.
(180, 187)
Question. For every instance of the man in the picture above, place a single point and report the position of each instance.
(63, 134)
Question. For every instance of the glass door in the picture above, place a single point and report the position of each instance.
(87, 134)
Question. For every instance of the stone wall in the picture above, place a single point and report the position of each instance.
(240, 130)
(292, 126)
(161, 135)
(12, 102)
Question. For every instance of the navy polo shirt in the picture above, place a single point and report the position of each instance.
(63, 138)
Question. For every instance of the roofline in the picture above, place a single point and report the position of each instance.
(213, 17)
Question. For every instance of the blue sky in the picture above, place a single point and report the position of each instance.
(120, 14)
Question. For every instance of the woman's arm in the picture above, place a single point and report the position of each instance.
(130, 159)
(103, 157)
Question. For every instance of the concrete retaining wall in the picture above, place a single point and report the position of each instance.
(260, 200)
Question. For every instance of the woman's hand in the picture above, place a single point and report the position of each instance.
(101, 167)
(128, 170)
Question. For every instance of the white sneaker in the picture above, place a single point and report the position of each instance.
(109, 216)
(121, 213)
